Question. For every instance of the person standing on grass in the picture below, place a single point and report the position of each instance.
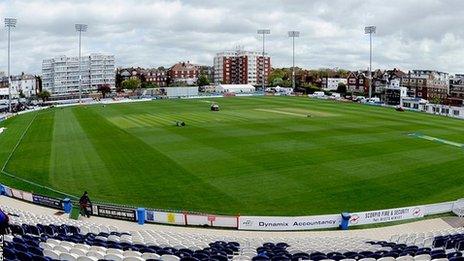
(4, 223)
(84, 202)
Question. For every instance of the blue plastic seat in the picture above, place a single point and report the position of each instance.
(391, 254)
(303, 256)
(17, 230)
(438, 255)
(23, 256)
(439, 242)
(219, 257)
(35, 251)
(318, 257)
(20, 247)
(280, 258)
(437, 251)
(9, 254)
(201, 256)
(18, 240)
(50, 231)
(453, 254)
(189, 258)
(73, 230)
(260, 258)
(40, 258)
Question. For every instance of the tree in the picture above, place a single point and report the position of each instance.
(436, 100)
(104, 89)
(147, 85)
(286, 83)
(341, 88)
(310, 88)
(44, 95)
(277, 82)
(21, 94)
(276, 74)
(131, 84)
(203, 80)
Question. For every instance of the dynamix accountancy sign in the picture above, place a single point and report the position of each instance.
(288, 223)
(386, 215)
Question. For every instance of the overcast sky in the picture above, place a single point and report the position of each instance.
(411, 34)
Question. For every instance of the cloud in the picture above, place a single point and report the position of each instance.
(410, 33)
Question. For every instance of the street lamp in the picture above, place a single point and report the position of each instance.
(9, 23)
(370, 30)
(80, 28)
(263, 32)
(293, 34)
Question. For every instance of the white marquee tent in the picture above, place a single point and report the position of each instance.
(235, 88)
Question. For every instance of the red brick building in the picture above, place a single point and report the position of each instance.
(427, 84)
(158, 76)
(357, 82)
(241, 67)
(184, 73)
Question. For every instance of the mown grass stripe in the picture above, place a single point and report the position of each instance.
(19, 142)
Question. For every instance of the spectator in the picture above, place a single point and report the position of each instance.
(84, 202)
(4, 223)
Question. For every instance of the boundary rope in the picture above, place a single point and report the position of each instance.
(19, 142)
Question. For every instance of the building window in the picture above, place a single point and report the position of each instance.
(455, 112)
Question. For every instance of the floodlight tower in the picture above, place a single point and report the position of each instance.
(263, 32)
(293, 34)
(80, 28)
(9, 23)
(370, 30)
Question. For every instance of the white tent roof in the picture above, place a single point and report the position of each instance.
(236, 87)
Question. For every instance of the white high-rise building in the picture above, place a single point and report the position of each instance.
(241, 67)
(60, 75)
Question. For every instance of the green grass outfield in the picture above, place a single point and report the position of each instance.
(258, 155)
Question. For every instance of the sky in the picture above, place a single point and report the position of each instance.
(411, 34)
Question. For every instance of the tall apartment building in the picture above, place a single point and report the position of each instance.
(241, 67)
(60, 75)
(427, 84)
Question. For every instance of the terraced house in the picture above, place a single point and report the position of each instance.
(457, 87)
(427, 84)
(357, 82)
(184, 73)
